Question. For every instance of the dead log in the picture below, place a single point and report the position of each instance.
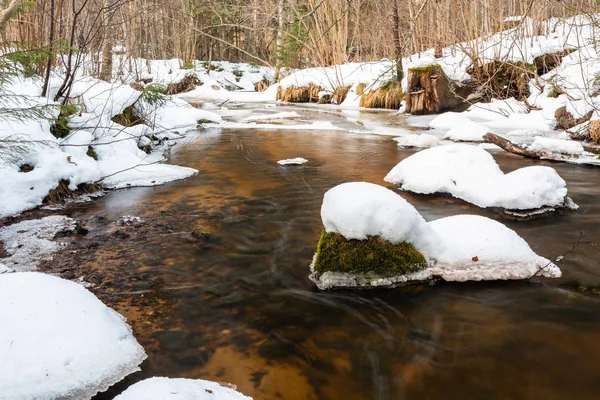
(430, 91)
(515, 148)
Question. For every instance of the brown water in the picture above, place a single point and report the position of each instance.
(239, 308)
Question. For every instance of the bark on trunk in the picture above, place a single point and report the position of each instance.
(430, 91)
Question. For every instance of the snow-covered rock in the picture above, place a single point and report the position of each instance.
(459, 248)
(421, 141)
(556, 146)
(58, 341)
(467, 132)
(29, 242)
(293, 161)
(160, 388)
(470, 173)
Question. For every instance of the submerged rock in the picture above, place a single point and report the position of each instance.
(374, 238)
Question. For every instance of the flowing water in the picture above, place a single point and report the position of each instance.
(239, 308)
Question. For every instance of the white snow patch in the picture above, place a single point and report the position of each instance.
(413, 140)
(160, 388)
(556, 145)
(272, 117)
(470, 173)
(57, 340)
(293, 161)
(467, 132)
(29, 242)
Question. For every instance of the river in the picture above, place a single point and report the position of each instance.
(238, 307)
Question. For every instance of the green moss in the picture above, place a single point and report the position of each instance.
(205, 121)
(128, 117)
(374, 255)
(426, 68)
(60, 128)
(92, 153)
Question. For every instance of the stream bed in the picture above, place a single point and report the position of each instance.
(232, 302)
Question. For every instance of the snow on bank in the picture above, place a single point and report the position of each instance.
(29, 242)
(57, 340)
(293, 161)
(470, 173)
(272, 117)
(160, 388)
(459, 248)
(120, 159)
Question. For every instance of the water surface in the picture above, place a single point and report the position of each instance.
(239, 307)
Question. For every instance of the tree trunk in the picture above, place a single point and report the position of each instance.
(397, 44)
(430, 91)
(106, 70)
(514, 148)
(50, 49)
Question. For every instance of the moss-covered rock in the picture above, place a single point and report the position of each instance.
(60, 128)
(374, 256)
(129, 117)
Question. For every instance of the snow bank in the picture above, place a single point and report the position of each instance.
(413, 140)
(180, 389)
(459, 248)
(293, 161)
(29, 242)
(120, 160)
(57, 340)
(556, 145)
(470, 173)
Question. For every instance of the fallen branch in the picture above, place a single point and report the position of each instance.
(515, 148)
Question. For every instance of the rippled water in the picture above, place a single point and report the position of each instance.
(239, 307)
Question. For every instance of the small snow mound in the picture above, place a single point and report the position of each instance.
(360, 209)
(293, 161)
(556, 145)
(421, 141)
(160, 388)
(449, 120)
(58, 340)
(471, 174)
(29, 242)
(467, 132)
(478, 248)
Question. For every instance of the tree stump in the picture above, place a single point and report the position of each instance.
(430, 91)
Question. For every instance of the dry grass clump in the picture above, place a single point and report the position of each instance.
(595, 131)
(62, 192)
(339, 94)
(389, 95)
(187, 84)
(301, 94)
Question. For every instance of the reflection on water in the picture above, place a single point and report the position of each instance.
(239, 307)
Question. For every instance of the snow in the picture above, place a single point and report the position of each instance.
(293, 161)
(160, 388)
(272, 117)
(556, 145)
(360, 209)
(314, 126)
(449, 120)
(121, 162)
(470, 173)
(413, 140)
(58, 340)
(29, 242)
(467, 132)
(459, 248)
